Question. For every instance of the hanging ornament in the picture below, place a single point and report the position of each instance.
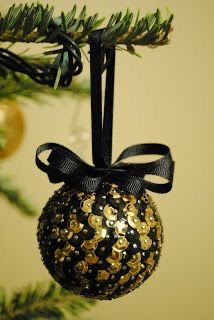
(100, 235)
(101, 245)
(12, 126)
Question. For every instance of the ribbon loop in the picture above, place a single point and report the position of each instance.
(101, 117)
(66, 166)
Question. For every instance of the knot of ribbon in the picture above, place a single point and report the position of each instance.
(65, 166)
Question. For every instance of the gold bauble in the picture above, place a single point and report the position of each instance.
(12, 124)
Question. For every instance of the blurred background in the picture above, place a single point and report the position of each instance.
(166, 96)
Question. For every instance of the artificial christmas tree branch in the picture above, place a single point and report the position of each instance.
(24, 23)
(70, 32)
(42, 302)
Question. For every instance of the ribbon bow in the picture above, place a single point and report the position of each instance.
(66, 166)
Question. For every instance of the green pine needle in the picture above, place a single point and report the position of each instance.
(58, 75)
(44, 301)
(15, 197)
(29, 23)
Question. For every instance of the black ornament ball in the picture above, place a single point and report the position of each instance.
(100, 245)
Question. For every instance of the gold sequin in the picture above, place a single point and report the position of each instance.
(95, 221)
(130, 198)
(149, 217)
(110, 212)
(115, 256)
(115, 267)
(86, 205)
(68, 249)
(143, 229)
(150, 261)
(114, 192)
(74, 225)
(58, 255)
(110, 223)
(136, 258)
(121, 228)
(61, 254)
(135, 269)
(146, 242)
(125, 278)
(121, 244)
(100, 234)
(134, 222)
(89, 245)
(116, 196)
(81, 267)
(130, 209)
(103, 275)
(91, 258)
(65, 234)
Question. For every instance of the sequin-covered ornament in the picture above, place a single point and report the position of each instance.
(101, 245)
(100, 235)
(12, 126)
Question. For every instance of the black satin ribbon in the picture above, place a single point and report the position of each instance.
(65, 166)
(101, 125)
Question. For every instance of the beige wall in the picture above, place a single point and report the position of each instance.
(167, 97)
